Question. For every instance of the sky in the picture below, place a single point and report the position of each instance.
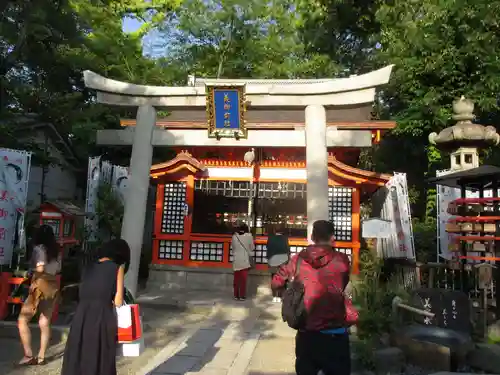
(130, 24)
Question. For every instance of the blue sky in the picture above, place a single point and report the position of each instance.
(130, 24)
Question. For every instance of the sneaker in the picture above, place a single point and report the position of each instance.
(275, 299)
(278, 299)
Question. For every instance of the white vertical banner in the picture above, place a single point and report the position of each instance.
(120, 181)
(106, 172)
(444, 196)
(398, 189)
(93, 176)
(101, 172)
(396, 209)
(14, 175)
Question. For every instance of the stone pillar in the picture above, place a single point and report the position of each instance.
(137, 191)
(317, 165)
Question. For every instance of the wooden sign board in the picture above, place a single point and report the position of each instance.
(376, 228)
(226, 111)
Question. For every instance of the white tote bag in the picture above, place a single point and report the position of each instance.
(124, 319)
(124, 316)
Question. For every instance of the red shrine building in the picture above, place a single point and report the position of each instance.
(216, 194)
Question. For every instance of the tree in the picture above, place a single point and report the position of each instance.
(237, 38)
(44, 47)
(441, 50)
(345, 30)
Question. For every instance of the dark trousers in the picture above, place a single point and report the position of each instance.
(240, 283)
(315, 351)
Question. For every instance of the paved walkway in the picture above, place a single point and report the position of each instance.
(214, 335)
(161, 323)
(240, 338)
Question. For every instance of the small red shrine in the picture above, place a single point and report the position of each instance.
(199, 200)
(62, 217)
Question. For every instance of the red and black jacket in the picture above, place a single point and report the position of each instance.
(325, 274)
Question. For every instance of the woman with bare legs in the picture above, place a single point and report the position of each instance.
(43, 294)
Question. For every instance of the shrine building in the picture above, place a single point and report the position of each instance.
(264, 152)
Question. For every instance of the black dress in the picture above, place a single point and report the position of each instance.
(92, 341)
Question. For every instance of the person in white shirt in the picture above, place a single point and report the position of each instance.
(243, 247)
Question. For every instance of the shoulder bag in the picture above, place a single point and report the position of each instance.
(293, 309)
(251, 260)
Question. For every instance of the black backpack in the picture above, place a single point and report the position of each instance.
(293, 309)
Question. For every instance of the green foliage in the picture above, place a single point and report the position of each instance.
(373, 298)
(425, 239)
(238, 38)
(342, 29)
(45, 46)
(441, 50)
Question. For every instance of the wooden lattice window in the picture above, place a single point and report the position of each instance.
(207, 251)
(174, 208)
(340, 210)
(170, 249)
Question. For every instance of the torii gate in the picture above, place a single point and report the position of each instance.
(318, 98)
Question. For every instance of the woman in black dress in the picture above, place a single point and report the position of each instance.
(92, 342)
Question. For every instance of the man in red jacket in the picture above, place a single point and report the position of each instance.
(324, 343)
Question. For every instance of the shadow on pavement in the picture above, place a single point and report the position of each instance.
(196, 352)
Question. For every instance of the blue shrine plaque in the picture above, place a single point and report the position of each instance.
(225, 111)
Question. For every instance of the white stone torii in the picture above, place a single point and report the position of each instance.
(313, 95)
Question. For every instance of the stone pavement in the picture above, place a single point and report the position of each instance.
(240, 338)
(203, 335)
(161, 326)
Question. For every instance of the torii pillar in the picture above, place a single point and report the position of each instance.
(136, 195)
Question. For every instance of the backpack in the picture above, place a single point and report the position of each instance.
(293, 309)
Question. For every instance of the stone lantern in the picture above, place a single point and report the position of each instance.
(463, 139)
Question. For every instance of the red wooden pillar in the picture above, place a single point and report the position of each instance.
(4, 294)
(356, 208)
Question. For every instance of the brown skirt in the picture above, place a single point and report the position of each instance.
(30, 308)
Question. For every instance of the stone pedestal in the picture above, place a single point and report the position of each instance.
(317, 166)
(179, 278)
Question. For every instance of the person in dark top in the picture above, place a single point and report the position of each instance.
(278, 253)
(324, 343)
(92, 342)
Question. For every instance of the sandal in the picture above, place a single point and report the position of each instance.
(41, 362)
(27, 361)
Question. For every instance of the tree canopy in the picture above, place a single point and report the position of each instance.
(441, 50)
(238, 38)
